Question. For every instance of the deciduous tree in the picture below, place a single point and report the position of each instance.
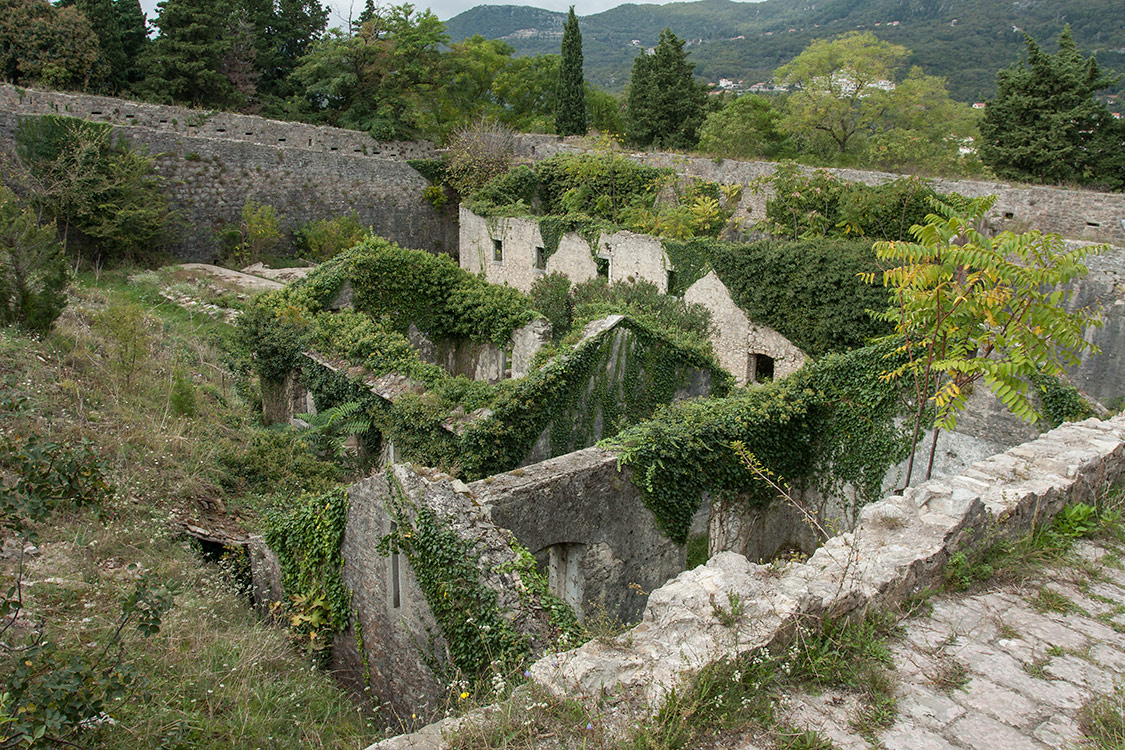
(971, 307)
(839, 88)
(46, 46)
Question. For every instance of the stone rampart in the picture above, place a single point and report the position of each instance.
(898, 548)
(213, 163)
(1075, 214)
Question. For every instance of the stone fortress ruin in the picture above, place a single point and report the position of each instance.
(484, 432)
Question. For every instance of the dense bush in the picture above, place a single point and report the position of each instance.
(34, 273)
(822, 205)
(324, 239)
(810, 291)
(550, 296)
(104, 196)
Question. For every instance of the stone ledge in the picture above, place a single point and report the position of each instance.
(898, 548)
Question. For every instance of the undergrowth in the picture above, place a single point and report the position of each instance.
(147, 387)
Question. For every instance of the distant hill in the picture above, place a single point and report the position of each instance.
(966, 41)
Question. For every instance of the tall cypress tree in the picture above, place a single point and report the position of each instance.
(184, 62)
(570, 95)
(133, 26)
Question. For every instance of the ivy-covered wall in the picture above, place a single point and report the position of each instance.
(618, 373)
(442, 598)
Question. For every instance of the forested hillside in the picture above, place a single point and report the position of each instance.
(965, 41)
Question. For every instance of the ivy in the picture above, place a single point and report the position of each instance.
(829, 424)
(306, 535)
(1061, 401)
(476, 634)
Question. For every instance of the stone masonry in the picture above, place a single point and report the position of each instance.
(214, 162)
(898, 548)
(1023, 672)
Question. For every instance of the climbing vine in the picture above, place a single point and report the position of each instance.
(832, 423)
(306, 534)
(476, 634)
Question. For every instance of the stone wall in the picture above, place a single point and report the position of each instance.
(402, 641)
(484, 361)
(213, 163)
(584, 520)
(1075, 214)
(739, 342)
(608, 386)
(518, 261)
(898, 548)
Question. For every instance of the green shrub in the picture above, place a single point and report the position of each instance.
(34, 273)
(325, 238)
(822, 205)
(105, 195)
(272, 459)
(550, 296)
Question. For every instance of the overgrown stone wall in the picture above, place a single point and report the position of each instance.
(584, 520)
(630, 255)
(899, 548)
(403, 657)
(738, 341)
(215, 162)
(1075, 214)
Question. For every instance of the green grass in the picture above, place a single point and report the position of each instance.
(215, 676)
(1102, 721)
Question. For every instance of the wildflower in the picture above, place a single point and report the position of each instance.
(464, 696)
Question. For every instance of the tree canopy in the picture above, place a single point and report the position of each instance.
(1045, 124)
(665, 106)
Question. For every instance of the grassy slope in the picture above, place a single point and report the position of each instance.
(218, 677)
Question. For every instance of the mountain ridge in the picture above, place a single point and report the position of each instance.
(964, 41)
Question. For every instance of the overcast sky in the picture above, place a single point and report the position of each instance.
(446, 9)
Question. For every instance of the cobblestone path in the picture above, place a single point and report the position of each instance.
(1005, 669)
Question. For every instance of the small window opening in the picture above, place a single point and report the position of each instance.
(602, 266)
(281, 140)
(396, 594)
(1009, 215)
(760, 368)
(1093, 224)
(540, 259)
(498, 251)
(670, 280)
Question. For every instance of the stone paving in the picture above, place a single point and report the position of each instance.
(1003, 669)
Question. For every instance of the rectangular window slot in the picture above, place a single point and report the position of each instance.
(129, 117)
(1009, 215)
(95, 112)
(220, 130)
(498, 251)
(540, 259)
(281, 140)
(333, 148)
(1093, 224)
(248, 133)
(163, 122)
(396, 594)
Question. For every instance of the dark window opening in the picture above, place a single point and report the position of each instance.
(541, 259)
(1093, 224)
(760, 368)
(603, 267)
(671, 281)
(396, 600)
(498, 251)
(281, 140)
(1009, 215)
